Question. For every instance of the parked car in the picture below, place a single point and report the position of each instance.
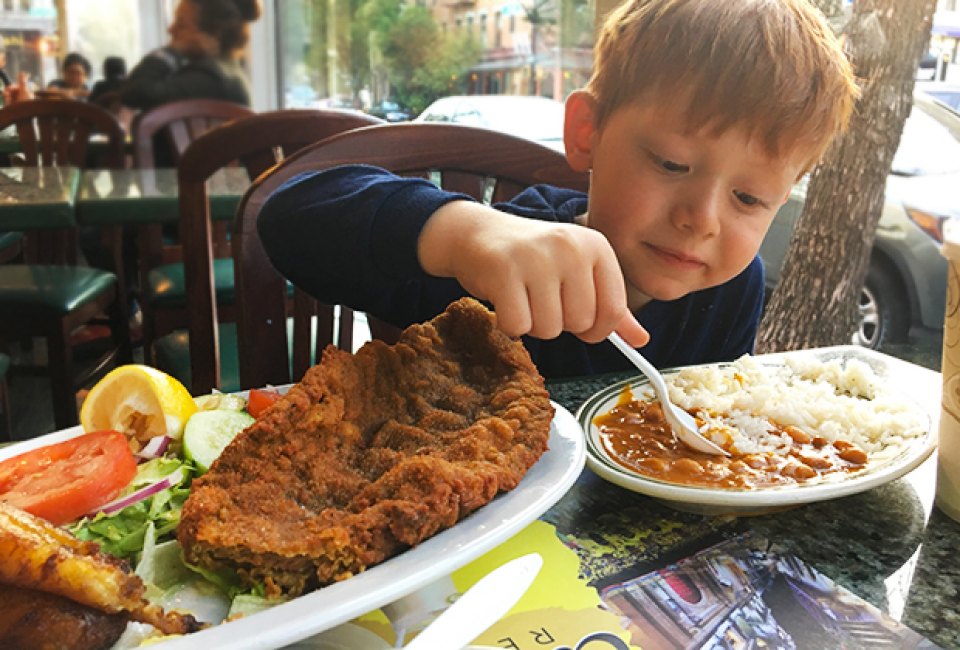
(906, 283)
(300, 96)
(536, 118)
(390, 111)
(948, 93)
(928, 66)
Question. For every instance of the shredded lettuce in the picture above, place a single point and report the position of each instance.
(173, 585)
(123, 534)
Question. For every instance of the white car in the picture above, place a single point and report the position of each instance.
(535, 118)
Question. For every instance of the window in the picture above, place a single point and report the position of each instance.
(88, 36)
(325, 57)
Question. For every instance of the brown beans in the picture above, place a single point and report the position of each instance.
(798, 470)
(854, 454)
(688, 466)
(814, 460)
(798, 435)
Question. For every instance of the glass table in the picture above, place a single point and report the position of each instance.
(38, 197)
(111, 197)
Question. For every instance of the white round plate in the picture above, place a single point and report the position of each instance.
(716, 501)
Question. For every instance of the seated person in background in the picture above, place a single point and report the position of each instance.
(690, 152)
(73, 84)
(19, 91)
(201, 61)
(114, 74)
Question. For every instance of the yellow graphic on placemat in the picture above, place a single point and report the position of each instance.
(558, 611)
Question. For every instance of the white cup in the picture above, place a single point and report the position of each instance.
(948, 450)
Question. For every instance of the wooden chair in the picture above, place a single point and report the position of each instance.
(49, 296)
(257, 143)
(160, 137)
(488, 165)
(179, 124)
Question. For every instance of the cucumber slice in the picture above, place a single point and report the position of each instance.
(208, 433)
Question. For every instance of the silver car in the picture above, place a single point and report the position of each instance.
(536, 118)
(906, 283)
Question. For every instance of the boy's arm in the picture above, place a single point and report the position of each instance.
(360, 236)
(348, 235)
(543, 278)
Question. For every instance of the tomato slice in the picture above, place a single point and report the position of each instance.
(66, 480)
(259, 399)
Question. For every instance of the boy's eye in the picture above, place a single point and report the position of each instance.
(747, 199)
(674, 167)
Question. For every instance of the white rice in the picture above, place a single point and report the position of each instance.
(836, 399)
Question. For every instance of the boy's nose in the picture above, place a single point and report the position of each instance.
(699, 213)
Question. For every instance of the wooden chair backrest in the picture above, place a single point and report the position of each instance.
(183, 121)
(180, 123)
(488, 165)
(57, 132)
(257, 142)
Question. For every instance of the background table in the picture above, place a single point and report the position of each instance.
(888, 545)
(110, 197)
(37, 197)
(41, 200)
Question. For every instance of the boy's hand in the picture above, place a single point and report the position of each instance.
(542, 278)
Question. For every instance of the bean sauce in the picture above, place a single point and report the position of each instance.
(636, 436)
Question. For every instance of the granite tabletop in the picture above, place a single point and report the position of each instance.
(889, 545)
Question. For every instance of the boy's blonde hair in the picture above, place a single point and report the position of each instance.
(773, 67)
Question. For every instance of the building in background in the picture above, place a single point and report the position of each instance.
(529, 47)
(29, 29)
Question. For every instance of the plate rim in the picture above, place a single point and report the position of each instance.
(908, 459)
(297, 619)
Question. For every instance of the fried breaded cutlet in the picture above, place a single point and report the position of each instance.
(370, 454)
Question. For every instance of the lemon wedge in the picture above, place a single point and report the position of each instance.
(140, 401)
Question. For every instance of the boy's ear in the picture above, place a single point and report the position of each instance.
(578, 130)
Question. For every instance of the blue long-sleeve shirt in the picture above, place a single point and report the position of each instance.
(348, 236)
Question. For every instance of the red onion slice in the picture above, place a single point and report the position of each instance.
(115, 506)
(154, 448)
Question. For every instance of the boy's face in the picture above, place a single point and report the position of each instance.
(683, 210)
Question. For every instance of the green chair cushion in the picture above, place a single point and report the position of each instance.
(167, 287)
(173, 355)
(57, 289)
(8, 239)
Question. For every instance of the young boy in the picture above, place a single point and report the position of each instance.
(698, 119)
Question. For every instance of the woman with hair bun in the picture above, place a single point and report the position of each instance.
(202, 60)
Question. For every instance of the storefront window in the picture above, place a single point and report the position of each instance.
(90, 33)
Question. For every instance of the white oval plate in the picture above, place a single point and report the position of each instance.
(714, 501)
(543, 485)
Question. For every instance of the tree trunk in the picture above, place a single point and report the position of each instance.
(815, 301)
